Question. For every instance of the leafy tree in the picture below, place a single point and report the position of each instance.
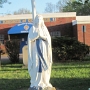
(2, 2)
(22, 11)
(80, 7)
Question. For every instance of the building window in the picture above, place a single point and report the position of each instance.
(52, 19)
(1, 22)
(55, 33)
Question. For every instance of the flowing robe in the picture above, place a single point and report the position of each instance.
(39, 57)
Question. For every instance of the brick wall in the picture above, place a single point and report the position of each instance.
(75, 31)
(3, 26)
(5, 33)
(80, 33)
(60, 21)
(65, 29)
(62, 24)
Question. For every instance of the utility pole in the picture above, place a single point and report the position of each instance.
(33, 9)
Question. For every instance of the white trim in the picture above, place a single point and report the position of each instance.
(74, 22)
(83, 22)
(83, 19)
(64, 14)
(14, 17)
(45, 15)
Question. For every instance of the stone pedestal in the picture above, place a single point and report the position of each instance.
(39, 88)
(25, 55)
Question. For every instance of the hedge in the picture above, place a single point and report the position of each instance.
(67, 48)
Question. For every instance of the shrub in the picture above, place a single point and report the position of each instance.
(66, 48)
(12, 49)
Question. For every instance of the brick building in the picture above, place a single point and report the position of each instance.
(81, 29)
(58, 24)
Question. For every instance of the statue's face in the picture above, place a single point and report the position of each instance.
(38, 20)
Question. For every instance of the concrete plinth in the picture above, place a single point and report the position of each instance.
(39, 88)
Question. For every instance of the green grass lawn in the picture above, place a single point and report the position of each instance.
(65, 76)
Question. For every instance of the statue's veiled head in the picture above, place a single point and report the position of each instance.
(38, 22)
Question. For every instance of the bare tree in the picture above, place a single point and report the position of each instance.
(22, 11)
(68, 5)
(50, 8)
(60, 4)
(58, 7)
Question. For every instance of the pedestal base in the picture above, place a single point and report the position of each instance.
(40, 88)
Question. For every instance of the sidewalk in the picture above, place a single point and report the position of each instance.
(4, 58)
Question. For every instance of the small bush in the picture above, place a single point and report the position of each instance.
(12, 49)
(66, 48)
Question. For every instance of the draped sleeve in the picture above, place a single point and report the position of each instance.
(49, 47)
(31, 36)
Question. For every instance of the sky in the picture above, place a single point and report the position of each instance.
(18, 4)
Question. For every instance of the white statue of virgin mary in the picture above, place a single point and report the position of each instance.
(39, 54)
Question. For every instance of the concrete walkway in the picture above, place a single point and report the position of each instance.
(4, 58)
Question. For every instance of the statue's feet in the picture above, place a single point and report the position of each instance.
(35, 88)
(40, 88)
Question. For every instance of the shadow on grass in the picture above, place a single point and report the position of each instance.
(68, 67)
(61, 83)
(14, 84)
(12, 69)
(71, 84)
(12, 66)
(71, 65)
